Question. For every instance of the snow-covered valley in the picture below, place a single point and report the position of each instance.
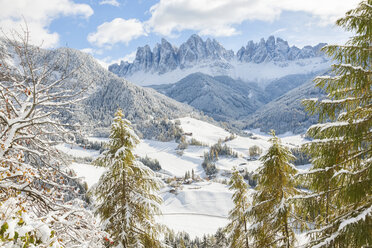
(199, 206)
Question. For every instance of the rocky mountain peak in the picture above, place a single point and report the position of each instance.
(195, 51)
(195, 39)
(275, 50)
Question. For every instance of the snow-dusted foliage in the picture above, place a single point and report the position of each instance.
(72, 225)
(341, 177)
(34, 185)
(271, 211)
(127, 199)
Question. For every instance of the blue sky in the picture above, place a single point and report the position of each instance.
(113, 29)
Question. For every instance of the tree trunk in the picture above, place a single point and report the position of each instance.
(286, 230)
(246, 234)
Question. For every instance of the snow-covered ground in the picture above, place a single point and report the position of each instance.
(203, 131)
(77, 151)
(87, 172)
(205, 198)
(201, 207)
(97, 139)
(194, 225)
(170, 161)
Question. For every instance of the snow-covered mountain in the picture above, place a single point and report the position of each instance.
(227, 99)
(276, 50)
(165, 57)
(281, 86)
(259, 62)
(220, 97)
(286, 113)
(106, 92)
(110, 92)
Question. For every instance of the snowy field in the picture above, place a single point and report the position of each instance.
(77, 151)
(87, 172)
(171, 163)
(201, 207)
(203, 131)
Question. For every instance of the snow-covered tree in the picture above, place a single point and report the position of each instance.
(271, 208)
(238, 226)
(206, 242)
(33, 179)
(127, 199)
(341, 177)
(221, 240)
(182, 243)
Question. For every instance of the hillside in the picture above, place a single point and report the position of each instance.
(286, 113)
(107, 92)
(221, 97)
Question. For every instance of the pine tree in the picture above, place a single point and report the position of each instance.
(182, 243)
(341, 177)
(221, 240)
(206, 242)
(126, 193)
(238, 227)
(271, 210)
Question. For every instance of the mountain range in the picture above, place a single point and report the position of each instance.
(250, 103)
(259, 86)
(255, 62)
(276, 106)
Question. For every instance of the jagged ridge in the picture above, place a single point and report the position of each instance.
(165, 57)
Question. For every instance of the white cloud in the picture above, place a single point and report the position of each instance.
(328, 11)
(220, 17)
(116, 31)
(129, 57)
(105, 62)
(110, 2)
(88, 50)
(280, 30)
(38, 14)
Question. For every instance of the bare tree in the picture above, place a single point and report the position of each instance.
(34, 90)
